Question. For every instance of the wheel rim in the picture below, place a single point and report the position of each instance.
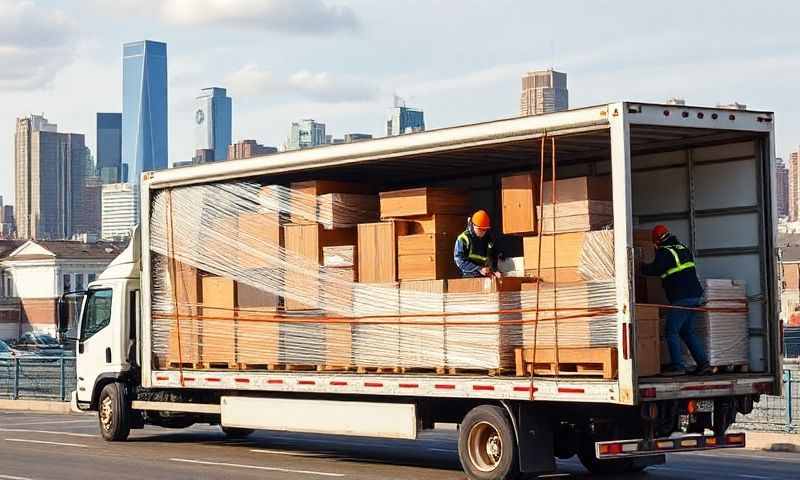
(485, 446)
(106, 413)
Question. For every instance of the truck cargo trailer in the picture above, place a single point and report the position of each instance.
(708, 173)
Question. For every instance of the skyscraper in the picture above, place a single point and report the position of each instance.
(305, 133)
(782, 187)
(50, 170)
(794, 186)
(213, 118)
(144, 107)
(109, 147)
(543, 91)
(403, 119)
(120, 210)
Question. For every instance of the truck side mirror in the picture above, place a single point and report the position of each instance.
(69, 309)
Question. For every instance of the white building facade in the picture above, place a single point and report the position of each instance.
(120, 210)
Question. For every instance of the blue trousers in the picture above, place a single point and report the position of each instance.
(680, 326)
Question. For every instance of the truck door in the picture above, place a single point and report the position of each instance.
(95, 339)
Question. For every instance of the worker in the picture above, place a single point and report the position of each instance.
(474, 252)
(674, 263)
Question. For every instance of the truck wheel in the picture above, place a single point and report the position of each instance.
(113, 413)
(486, 445)
(233, 432)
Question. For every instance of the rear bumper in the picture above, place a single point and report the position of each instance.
(704, 387)
(684, 443)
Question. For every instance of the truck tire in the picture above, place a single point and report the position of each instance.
(233, 432)
(487, 445)
(113, 413)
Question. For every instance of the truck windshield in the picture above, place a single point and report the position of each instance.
(98, 312)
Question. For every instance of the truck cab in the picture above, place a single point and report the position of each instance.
(102, 321)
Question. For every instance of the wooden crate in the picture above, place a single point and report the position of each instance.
(648, 341)
(377, 250)
(337, 299)
(481, 341)
(257, 332)
(260, 238)
(308, 241)
(576, 216)
(376, 345)
(578, 188)
(346, 210)
(422, 201)
(519, 199)
(426, 256)
(303, 198)
(184, 342)
(595, 362)
(422, 346)
(556, 275)
(218, 338)
(439, 224)
(567, 247)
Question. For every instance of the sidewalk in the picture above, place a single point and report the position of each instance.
(774, 442)
(35, 406)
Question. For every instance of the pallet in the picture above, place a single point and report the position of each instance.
(742, 368)
(259, 366)
(378, 370)
(335, 368)
(217, 365)
(492, 372)
(436, 370)
(184, 365)
(594, 362)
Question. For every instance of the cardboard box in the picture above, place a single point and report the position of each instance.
(337, 299)
(303, 198)
(482, 341)
(377, 250)
(260, 238)
(218, 338)
(184, 332)
(519, 199)
(560, 250)
(422, 201)
(422, 346)
(344, 210)
(308, 241)
(257, 331)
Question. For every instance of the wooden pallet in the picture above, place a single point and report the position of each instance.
(184, 365)
(436, 370)
(492, 372)
(378, 370)
(217, 365)
(590, 361)
(335, 368)
(260, 366)
(743, 368)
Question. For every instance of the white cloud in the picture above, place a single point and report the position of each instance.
(323, 87)
(313, 17)
(35, 44)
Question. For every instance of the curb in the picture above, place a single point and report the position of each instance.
(35, 406)
(773, 442)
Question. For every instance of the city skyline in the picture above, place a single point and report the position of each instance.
(468, 78)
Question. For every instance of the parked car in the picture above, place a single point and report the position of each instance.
(39, 343)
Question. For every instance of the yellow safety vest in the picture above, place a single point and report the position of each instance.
(472, 255)
(679, 266)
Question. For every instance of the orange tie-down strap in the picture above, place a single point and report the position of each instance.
(398, 318)
(742, 309)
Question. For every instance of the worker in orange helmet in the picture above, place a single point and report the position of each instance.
(474, 252)
(674, 263)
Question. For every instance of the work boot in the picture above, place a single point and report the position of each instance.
(673, 371)
(703, 369)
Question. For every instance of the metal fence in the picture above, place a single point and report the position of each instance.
(41, 378)
(777, 414)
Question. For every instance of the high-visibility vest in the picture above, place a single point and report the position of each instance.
(473, 256)
(676, 250)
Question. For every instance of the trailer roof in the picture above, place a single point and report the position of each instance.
(484, 148)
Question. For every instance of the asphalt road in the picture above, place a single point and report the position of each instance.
(63, 447)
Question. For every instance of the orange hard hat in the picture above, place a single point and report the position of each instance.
(659, 233)
(481, 220)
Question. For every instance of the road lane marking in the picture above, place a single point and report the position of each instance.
(46, 432)
(23, 440)
(284, 452)
(11, 477)
(257, 467)
(744, 475)
(48, 423)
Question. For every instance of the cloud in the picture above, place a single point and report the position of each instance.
(35, 44)
(312, 17)
(323, 87)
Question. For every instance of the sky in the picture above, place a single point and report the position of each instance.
(342, 61)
